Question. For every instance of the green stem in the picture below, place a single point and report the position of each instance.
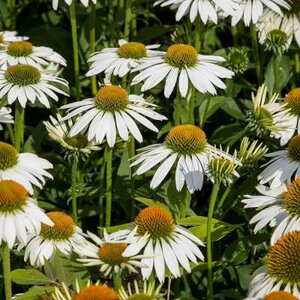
(192, 106)
(234, 32)
(212, 202)
(75, 48)
(117, 281)
(108, 186)
(206, 107)
(276, 63)
(128, 13)
(19, 126)
(198, 34)
(102, 191)
(177, 108)
(93, 43)
(74, 189)
(256, 54)
(132, 189)
(6, 271)
(223, 198)
(238, 137)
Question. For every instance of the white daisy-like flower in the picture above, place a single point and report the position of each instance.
(7, 37)
(182, 65)
(207, 10)
(90, 291)
(135, 291)
(59, 131)
(165, 245)
(278, 207)
(25, 83)
(277, 295)
(120, 61)
(112, 111)
(84, 2)
(5, 116)
(268, 116)
(107, 254)
(23, 52)
(25, 168)
(251, 10)
(281, 271)
(64, 236)
(284, 165)
(186, 147)
(275, 32)
(20, 215)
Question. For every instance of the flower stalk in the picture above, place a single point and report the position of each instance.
(93, 44)
(75, 48)
(108, 186)
(212, 203)
(128, 13)
(74, 189)
(19, 126)
(6, 271)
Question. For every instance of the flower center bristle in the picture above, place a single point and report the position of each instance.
(280, 295)
(63, 229)
(19, 49)
(112, 253)
(156, 221)
(292, 100)
(78, 141)
(132, 50)
(140, 297)
(8, 156)
(111, 98)
(13, 196)
(181, 56)
(186, 139)
(292, 197)
(96, 292)
(283, 259)
(22, 75)
(294, 148)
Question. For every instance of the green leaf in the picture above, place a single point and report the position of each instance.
(116, 228)
(224, 134)
(29, 277)
(219, 228)
(36, 292)
(150, 202)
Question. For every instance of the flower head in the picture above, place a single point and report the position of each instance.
(120, 61)
(237, 60)
(25, 168)
(27, 83)
(181, 64)
(112, 111)
(59, 131)
(64, 235)
(20, 215)
(7, 37)
(187, 147)
(5, 116)
(162, 242)
(23, 52)
(281, 270)
(84, 2)
(277, 295)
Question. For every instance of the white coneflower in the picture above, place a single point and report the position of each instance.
(59, 131)
(112, 111)
(7, 37)
(120, 61)
(277, 207)
(89, 292)
(182, 65)
(284, 165)
(25, 168)
(221, 169)
(84, 2)
(207, 10)
(23, 52)
(25, 83)
(64, 235)
(277, 295)
(251, 10)
(148, 291)
(275, 32)
(165, 245)
(5, 116)
(107, 254)
(268, 115)
(20, 215)
(281, 271)
(186, 147)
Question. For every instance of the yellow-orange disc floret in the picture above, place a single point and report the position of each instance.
(280, 295)
(181, 56)
(19, 49)
(96, 292)
(112, 253)
(132, 50)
